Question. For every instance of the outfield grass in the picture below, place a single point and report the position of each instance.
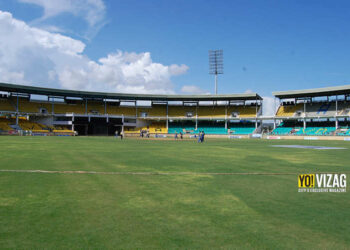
(193, 210)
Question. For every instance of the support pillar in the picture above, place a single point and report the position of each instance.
(336, 105)
(53, 105)
(197, 115)
(167, 116)
(304, 124)
(123, 125)
(17, 109)
(226, 116)
(73, 122)
(336, 123)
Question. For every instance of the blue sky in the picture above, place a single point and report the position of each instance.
(268, 45)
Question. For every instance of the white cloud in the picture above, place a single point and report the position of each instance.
(32, 55)
(178, 70)
(193, 89)
(269, 107)
(92, 11)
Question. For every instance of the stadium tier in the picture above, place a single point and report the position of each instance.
(296, 128)
(9, 124)
(315, 109)
(213, 128)
(96, 113)
(313, 112)
(26, 106)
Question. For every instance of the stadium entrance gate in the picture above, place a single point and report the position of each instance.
(97, 125)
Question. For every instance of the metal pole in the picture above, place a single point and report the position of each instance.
(167, 115)
(73, 122)
(336, 105)
(226, 116)
(336, 123)
(197, 115)
(53, 105)
(216, 84)
(17, 109)
(123, 125)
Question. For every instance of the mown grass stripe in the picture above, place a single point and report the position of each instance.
(142, 173)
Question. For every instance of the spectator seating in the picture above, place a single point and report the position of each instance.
(98, 107)
(153, 128)
(316, 131)
(312, 129)
(242, 128)
(242, 111)
(181, 111)
(189, 128)
(289, 110)
(315, 109)
(4, 125)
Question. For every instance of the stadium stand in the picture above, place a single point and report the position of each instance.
(212, 111)
(314, 112)
(4, 125)
(152, 111)
(316, 131)
(153, 128)
(242, 128)
(289, 110)
(210, 128)
(315, 109)
(181, 111)
(343, 131)
(242, 111)
(96, 113)
(312, 129)
(9, 124)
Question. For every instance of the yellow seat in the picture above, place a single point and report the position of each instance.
(289, 110)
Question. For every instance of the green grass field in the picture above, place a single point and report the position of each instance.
(187, 208)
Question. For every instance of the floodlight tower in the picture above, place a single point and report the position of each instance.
(216, 65)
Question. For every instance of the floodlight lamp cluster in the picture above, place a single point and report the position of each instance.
(216, 62)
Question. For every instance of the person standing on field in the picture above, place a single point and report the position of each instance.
(203, 134)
